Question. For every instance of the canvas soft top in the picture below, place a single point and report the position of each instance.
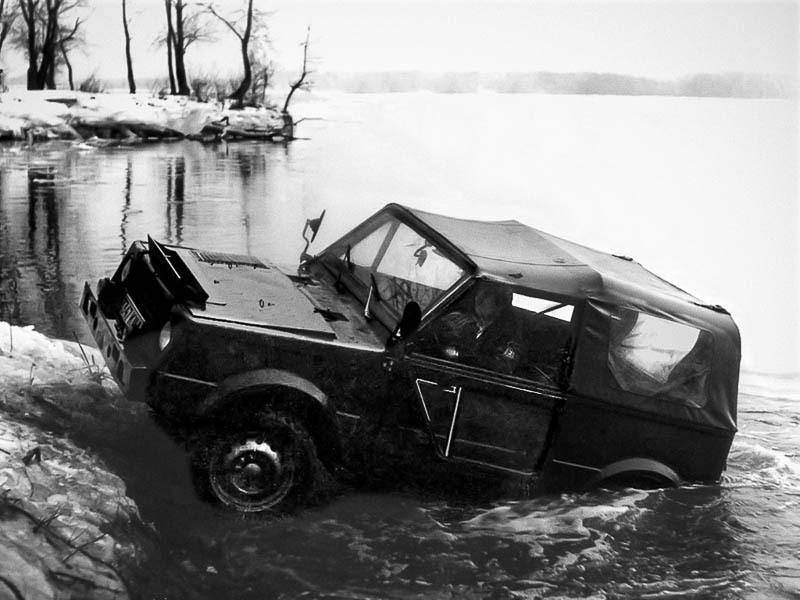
(529, 259)
(526, 257)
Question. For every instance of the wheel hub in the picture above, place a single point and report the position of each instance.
(252, 474)
(253, 467)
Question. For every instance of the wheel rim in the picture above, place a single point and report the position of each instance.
(251, 473)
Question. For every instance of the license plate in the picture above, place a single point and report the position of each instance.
(131, 316)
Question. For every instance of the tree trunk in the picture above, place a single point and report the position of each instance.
(29, 16)
(180, 49)
(170, 41)
(128, 60)
(47, 66)
(247, 78)
(5, 26)
(69, 67)
(50, 75)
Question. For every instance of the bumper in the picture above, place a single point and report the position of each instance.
(132, 377)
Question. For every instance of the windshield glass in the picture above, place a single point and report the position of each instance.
(403, 266)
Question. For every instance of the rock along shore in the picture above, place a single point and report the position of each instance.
(67, 527)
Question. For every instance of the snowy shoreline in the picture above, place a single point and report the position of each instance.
(127, 119)
(67, 526)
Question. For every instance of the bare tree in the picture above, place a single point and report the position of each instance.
(128, 59)
(245, 25)
(179, 48)
(190, 27)
(302, 81)
(8, 16)
(187, 27)
(39, 35)
(66, 39)
(169, 41)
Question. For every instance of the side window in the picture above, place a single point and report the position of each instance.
(649, 355)
(547, 330)
(495, 329)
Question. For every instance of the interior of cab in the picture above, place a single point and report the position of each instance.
(526, 337)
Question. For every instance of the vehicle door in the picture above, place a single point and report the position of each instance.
(479, 417)
(489, 386)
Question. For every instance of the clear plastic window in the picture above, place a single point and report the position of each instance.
(649, 355)
(413, 269)
(365, 251)
(410, 256)
(557, 310)
(405, 266)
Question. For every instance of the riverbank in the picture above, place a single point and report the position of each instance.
(67, 527)
(128, 119)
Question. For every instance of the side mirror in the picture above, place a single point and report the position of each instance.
(313, 225)
(412, 315)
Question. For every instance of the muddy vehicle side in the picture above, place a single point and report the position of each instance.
(614, 374)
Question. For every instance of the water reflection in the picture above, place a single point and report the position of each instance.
(126, 207)
(68, 215)
(176, 172)
(47, 287)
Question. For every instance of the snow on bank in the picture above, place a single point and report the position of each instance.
(67, 527)
(27, 357)
(60, 113)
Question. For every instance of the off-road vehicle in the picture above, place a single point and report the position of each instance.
(422, 345)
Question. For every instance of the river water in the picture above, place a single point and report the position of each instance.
(703, 191)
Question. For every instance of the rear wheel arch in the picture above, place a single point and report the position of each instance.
(637, 472)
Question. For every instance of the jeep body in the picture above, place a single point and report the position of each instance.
(373, 357)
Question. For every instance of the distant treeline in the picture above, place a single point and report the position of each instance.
(726, 85)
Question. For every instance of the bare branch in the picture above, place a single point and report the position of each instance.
(300, 81)
(309, 119)
(226, 22)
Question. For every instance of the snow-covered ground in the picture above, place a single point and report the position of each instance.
(67, 527)
(58, 113)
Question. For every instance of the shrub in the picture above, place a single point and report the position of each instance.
(92, 84)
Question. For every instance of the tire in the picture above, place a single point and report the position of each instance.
(266, 465)
(642, 480)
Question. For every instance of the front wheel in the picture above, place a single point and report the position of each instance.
(264, 466)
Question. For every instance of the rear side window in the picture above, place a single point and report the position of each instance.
(652, 356)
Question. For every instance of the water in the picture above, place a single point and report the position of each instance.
(703, 191)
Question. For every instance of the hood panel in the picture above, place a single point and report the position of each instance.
(245, 290)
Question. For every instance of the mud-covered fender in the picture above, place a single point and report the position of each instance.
(281, 390)
(645, 469)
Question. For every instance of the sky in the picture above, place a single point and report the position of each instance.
(660, 39)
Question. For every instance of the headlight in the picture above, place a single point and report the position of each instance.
(165, 336)
(126, 269)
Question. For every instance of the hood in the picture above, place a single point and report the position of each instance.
(242, 289)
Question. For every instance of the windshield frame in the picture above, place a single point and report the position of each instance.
(336, 260)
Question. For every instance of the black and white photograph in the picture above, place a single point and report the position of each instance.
(399, 299)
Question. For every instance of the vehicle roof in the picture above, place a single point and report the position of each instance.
(522, 256)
